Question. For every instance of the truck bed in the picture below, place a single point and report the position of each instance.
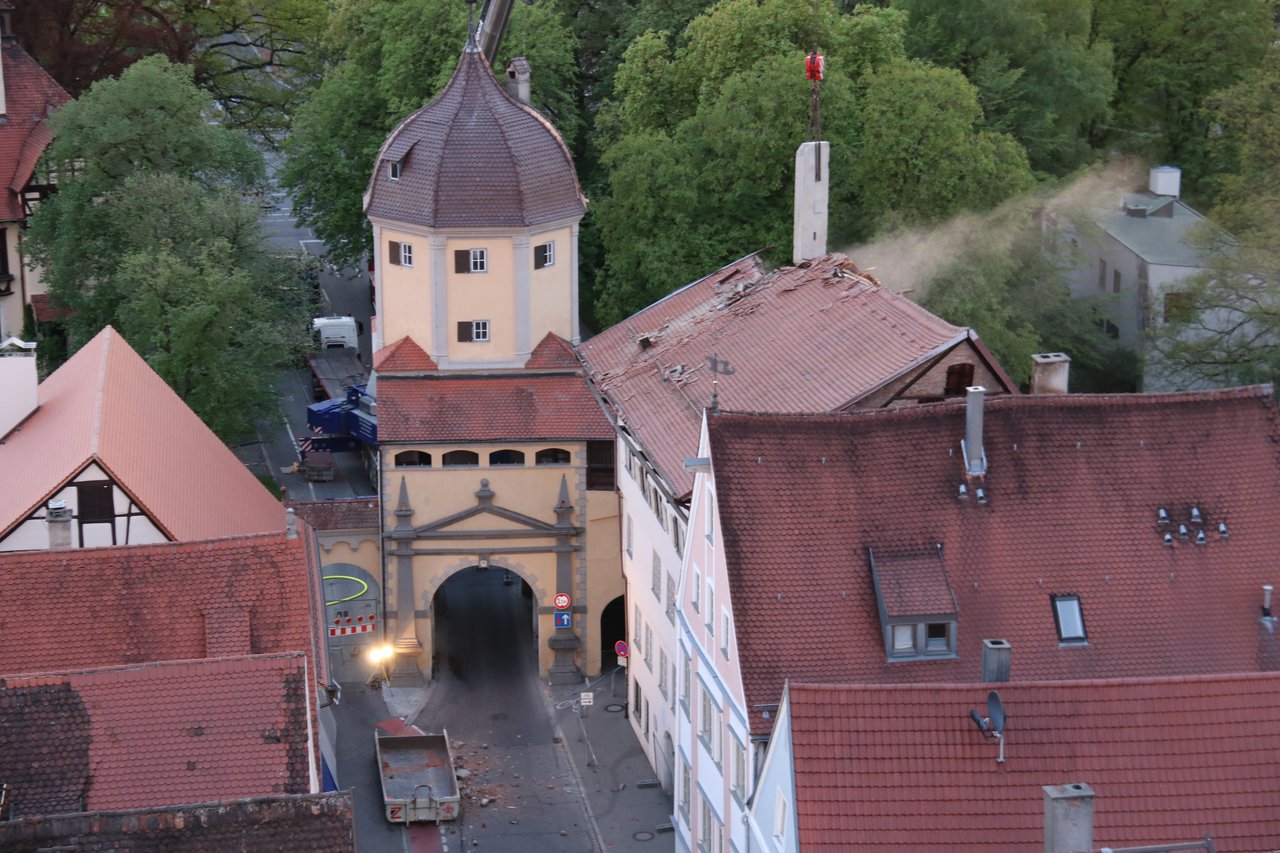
(336, 369)
(408, 762)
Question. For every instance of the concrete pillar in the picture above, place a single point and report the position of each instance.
(523, 268)
(1068, 818)
(439, 348)
(809, 232)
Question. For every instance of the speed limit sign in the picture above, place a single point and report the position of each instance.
(562, 601)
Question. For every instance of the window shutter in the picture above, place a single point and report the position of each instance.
(464, 330)
(462, 263)
(539, 256)
(393, 250)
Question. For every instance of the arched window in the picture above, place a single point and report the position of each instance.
(461, 457)
(413, 458)
(506, 457)
(551, 456)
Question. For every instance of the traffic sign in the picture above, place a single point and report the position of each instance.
(621, 648)
(564, 620)
(562, 601)
(586, 698)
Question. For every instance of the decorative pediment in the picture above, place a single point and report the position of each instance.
(492, 521)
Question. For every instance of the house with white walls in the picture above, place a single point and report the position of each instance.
(819, 335)
(1095, 541)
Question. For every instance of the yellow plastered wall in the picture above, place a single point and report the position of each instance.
(406, 291)
(482, 296)
(551, 296)
(604, 562)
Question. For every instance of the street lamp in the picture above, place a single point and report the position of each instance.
(379, 656)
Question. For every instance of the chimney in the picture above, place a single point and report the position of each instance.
(18, 383)
(1165, 180)
(995, 660)
(290, 523)
(1049, 372)
(975, 458)
(518, 73)
(58, 519)
(809, 233)
(1068, 818)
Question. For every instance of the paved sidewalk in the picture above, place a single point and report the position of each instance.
(612, 767)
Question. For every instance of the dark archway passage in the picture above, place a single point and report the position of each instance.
(484, 628)
(613, 627)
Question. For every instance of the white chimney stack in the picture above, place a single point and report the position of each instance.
(58, 519)
(1049, 372)
(975, 458)
(518, 74)
(809, 233)
(18, 383)
(1068, 818)
(1165, 180)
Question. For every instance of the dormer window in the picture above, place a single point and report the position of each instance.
(393, 170)
(1069, 619)
(918, 612)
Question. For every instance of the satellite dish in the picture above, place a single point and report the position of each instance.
(979, 721)
(995, 712)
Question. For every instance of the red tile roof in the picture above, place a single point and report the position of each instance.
(914, 584)
(402, 356)
(338, 514)
(317, 823)
(30, 96)
(1074, 485)
(173, 601)
(45, 311)
(553, 353)
(900, 767)
(475, 408)
(475, 156)
(813, 338)
(105, 404)
(158, 734)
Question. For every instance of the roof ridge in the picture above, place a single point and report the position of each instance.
(99, 395)
(19, 679)
(1038, 684)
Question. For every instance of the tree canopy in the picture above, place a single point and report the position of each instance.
(149, 232)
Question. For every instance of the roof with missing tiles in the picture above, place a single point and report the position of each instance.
(1070, 507)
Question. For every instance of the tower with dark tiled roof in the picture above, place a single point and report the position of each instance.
(475, 208)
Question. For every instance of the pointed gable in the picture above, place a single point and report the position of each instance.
(30, 95)
(106, 405)
(403, 356)
(553, 353)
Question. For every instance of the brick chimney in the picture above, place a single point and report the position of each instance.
(1049, 372)
(18, 383)
(809, 231)
(1068, 818)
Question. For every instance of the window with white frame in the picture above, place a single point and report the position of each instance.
(781, 811)
(697, 587)
(393, 170)
(738, 772)
(706, 723)
(473, 331)
(711, 519)
(635, 632)
(724, 633)
(685, 786)
(1069, 619)
(704, 825)
(671, 599)
(631, 534)
(467, 261)
(677, 535)
(673, 681)
(663, 687)
(399, 254)
(648, 646)
(544, 255)
(655, 583)
(711, 609)
(686, 679)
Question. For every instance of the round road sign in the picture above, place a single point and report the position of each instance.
(562, 601)
(621, 648)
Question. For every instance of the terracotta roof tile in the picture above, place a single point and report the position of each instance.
(403, 356)
(30, 96)
(128, 604)
(1074, 485)
(105, 404)
(813, 338)
(516, 408)
(349, 514)
(317, 823)
(882, 767)
(475, 156)
(45, 311)
(159, 734)
(553, 353)
(914, 584)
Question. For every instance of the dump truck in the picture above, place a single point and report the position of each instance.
(418, 778)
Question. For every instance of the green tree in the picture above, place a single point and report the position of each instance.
(394, 56)
(1041, 76)
(923, 155)
(146, 178)
(1170, 57)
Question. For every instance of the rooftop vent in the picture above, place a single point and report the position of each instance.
(1162, 516)
(1168, 539)
(1165, 180)
(995, 660)
(1222, 530)
(1183, 531)
(1201, 538)
(975, 457)
(1196, 516)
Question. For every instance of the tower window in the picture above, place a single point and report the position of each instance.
(400, 254)
(544, 255)
(473, 331)
(413, 459)
(461, 457)
(470, 261)
(506, 457)
(552, 456)
(393, 170)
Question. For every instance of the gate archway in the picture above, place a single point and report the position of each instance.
(484, 625)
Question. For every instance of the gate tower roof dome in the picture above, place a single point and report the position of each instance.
(475, 157)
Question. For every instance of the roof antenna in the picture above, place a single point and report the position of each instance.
(472, 47)
(993, 724)
(719, 367)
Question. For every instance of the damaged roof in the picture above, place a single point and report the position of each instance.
(1070, 507)
(816, 337)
